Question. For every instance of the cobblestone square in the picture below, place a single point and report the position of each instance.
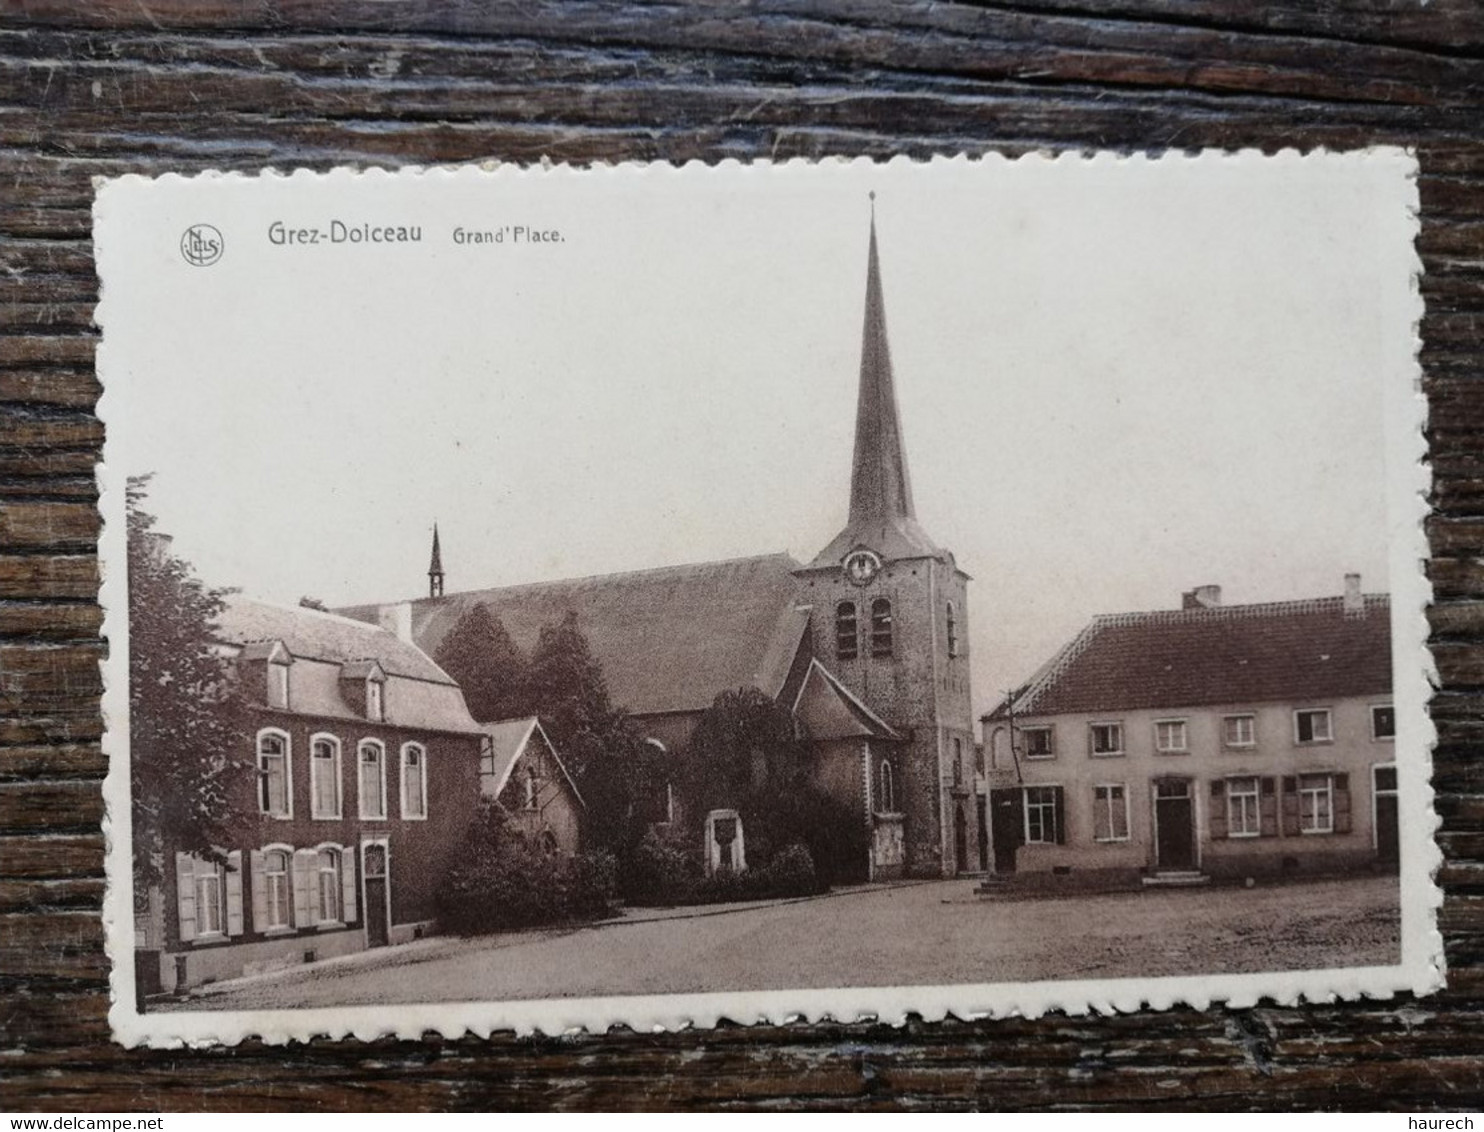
(927, 933)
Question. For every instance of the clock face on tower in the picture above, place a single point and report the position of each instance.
(861, 566)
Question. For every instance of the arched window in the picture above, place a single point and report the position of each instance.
(886, 789)
(530, 788)
(275, 790)
(328, 908)
(372, 779)
(324, 776)
(277, 889)
(881, 627)
(952, 631)
(414, 781)
(846, 638)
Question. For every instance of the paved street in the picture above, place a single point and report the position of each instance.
(923, 933)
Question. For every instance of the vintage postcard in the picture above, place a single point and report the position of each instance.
(545, 598)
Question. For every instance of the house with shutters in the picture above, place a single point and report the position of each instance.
(1209, 741)
(367, 774)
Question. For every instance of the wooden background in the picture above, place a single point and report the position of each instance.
(108, 88)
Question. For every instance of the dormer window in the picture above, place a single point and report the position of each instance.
(373, 699)
(278, 684)
(363, 688)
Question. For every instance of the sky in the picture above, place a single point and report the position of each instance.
(1117, 379)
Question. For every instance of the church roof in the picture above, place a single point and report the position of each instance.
(1239, 654)
(668, 640)
(882, 515)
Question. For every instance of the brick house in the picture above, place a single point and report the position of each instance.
(367, 774)
(1207, 741)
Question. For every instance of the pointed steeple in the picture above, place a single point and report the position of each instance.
(435, 568)
(882, 515)
(879, 484)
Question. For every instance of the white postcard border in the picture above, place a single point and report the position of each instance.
(1420, 971)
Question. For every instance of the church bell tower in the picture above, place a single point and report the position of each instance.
(889, 616)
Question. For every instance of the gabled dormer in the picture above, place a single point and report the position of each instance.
(363, 687)
(265, 667)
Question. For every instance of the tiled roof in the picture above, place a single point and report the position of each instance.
(669, 639)
(1295, 650)
(324, 636)
(419, 694)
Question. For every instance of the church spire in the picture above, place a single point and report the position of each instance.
(879, 485)
(435, 568)
(882, 516)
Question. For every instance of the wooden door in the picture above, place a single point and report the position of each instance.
(374, 864)
(1007, 828)
(1388, 839)
(1174, 837)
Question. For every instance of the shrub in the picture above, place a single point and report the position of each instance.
(663, 870)
(592, 884)
(789, 873)
(500, 881)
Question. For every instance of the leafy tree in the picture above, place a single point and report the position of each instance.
(567, 689)
(745, 755)
(184, 719)
(478, 653)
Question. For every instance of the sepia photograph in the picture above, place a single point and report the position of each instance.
(549, 598)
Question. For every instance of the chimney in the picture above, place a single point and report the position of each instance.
(397, 620)
(1202, 597)
(1354, 601)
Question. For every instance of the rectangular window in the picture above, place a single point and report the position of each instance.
(414, 781)
(1312, 726)
(1106, 739)
(1383, 722)
(373, 781)
(1037, 742)
(274, 797)
(373, 699)
(276, 885)
(278, 685)
(1243, 818)
(324, 777)
(329, 886)
(1170, 737)
(210, 915)
(958, 762)
(1239, 730)
(1042, 826)
(1110, 813)
(1316, 803)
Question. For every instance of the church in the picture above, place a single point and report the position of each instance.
(866, 644)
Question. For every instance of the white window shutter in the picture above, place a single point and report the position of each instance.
(234, 892)
(259, 892)
(348, 885)
(185, 895)
(304, 887)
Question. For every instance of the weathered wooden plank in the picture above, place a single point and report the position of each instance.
(290, 82)
(49, 576)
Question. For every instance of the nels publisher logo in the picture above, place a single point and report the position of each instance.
(202, 245)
